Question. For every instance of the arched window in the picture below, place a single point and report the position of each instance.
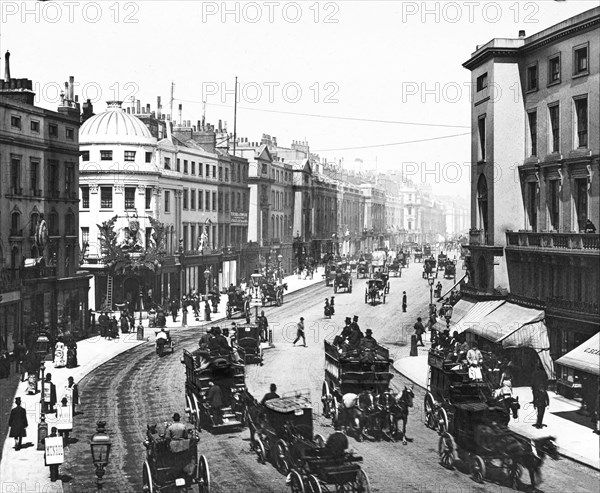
(482, 274)
(70, 224)
(14, 258)
(482, 201)
(15, 224)
(33, 223)
(53, 228)
(272, 226)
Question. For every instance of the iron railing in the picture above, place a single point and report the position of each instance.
(568, 241)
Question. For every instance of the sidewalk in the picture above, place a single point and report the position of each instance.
(575, 441)
(24, 470)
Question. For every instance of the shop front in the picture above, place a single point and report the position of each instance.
(10, 311)
(579, 372)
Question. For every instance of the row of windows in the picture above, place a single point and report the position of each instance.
(237, 202)
(580, 129)
(52, 220)
(239, 172)
(54, 184)
(554, 70)
(107, 155)
(35, 127)
(580, 67)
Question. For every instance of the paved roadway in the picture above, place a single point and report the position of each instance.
(137, 388)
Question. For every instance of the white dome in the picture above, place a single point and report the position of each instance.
(115, 126)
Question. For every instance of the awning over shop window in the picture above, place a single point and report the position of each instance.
(514, 326)
(458, 312)
(585, 357)
(476, 313)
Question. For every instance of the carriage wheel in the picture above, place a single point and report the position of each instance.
(361, 482)
(384, 297)
(196, 411)
(296, 483)
(477, 469)
(280, 299)
(514, 471)
(203, 475)
(147, 485)
(314, 485)
(366, 296)
(442, 420)
(350, 286)
(326, 400)
(447, 450)
(335, 415)
(283, 466)
(228, 311)
(319, 441)
(259, 447)
(429, 408)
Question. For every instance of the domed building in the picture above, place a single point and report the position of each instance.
(127, 172)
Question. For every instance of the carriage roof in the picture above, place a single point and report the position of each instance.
(284, 405)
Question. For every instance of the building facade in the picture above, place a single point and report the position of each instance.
(40, 283)
(535, 192)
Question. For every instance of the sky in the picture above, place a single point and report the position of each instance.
(379, 81)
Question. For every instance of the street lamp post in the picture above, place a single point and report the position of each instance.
(206, 279)
(100, 446)
(448, 315)
(430, 281)
(279, 258)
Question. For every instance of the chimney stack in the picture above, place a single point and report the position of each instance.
(148, 108)
(158, 108)
(7, 66)
(180, 113)
(138, 108)
(71, 88)
(219, 125)
(522, 33)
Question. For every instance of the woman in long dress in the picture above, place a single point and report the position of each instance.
(60, 355)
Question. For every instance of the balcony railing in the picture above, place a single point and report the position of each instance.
(574, 305)
(567, 241)
(477, 237)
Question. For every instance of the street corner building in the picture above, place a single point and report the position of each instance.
(41, 286)
(534, 253)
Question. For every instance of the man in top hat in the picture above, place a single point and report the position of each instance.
(368, 341)
(347, 328)
(355, 322)
(17, 423)
(176, 430)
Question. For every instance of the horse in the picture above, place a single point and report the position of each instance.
(355, 413)
(371, 415)
(396, 409)
(533, 454)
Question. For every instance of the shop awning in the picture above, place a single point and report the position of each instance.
(585, 358)
(503, 321)
(477, 313)
(515, 326)
(459, 310)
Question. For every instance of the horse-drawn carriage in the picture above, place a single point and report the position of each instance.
(475, 439)
(282, 433)
(272, 293)
(395, 267)
(385, 277)
(247, 337)
(343, 280)
(330, 273)
(362, 269)
(375, 291)
(204, 369)
(449, 386)
(450, 269)
(173, 464)
(363, 375)
(442, 260)
(163, 343)
(429, 268)
(418, 254)
(426, 250)
(238, 301)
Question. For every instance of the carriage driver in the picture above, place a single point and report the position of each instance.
(176, 430)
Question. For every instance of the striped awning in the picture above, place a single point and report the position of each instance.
(585, 357)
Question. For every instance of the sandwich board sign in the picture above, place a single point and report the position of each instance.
(55, 452)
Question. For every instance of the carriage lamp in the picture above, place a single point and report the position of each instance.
(100, 445)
